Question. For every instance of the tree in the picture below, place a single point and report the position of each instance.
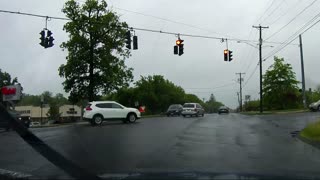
(53, 112)
(96, 51)
(280, 86)
(212, 105)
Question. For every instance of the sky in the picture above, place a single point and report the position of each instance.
(201, 70)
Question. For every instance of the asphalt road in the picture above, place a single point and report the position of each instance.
(230, 143)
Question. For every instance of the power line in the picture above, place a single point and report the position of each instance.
(251, 75)
(271, 13)
(295, 35)
(34, 15)
(292, 19)
(282, 15)
(141, 29)
(265, 11)
(214, 87)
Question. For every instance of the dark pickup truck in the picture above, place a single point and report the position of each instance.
(4, 123)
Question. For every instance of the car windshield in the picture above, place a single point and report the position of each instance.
(188, 105)
(174, 107)
(140, 89)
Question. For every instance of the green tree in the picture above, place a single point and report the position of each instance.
(53, 112)
(157, 93)
(280, 86)
(30, 100)
(96, 51)
(212, 106)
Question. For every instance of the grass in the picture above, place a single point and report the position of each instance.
(286, 111)
(312, 132)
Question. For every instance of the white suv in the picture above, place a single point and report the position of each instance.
(98, 111)
(315, 106)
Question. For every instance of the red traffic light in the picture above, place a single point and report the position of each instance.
(179, 42)
(225, 51)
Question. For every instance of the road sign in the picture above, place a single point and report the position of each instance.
(11, 93)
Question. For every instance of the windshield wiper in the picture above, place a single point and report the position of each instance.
(46, 151)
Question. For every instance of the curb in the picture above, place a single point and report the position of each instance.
(310, 142)
(11, 175)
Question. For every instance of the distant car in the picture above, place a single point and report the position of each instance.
(192, 109)
(223, 109)
(174, 109)
(98, 111)
(35, 124)
(315, 106)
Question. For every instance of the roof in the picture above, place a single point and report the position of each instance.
(103, 102)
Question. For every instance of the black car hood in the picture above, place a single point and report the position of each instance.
(200, 176)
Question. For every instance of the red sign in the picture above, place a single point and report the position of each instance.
(8, 91)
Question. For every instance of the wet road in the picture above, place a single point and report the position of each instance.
(230, 143)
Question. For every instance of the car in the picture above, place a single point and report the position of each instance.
(98, 111)
(35, 124)
(315, 106)
(174, 109)
(223, 109)
(192, 109)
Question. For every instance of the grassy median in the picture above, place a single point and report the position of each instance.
(312, 132)
(287, 111)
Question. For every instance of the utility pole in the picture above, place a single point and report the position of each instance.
(238, 98)
(302, 74)
(260, 62)
(240, 80)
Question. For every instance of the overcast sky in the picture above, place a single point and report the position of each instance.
(200, 70)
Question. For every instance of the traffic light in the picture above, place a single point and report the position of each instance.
(179, 42)
(49, 39)
(230, 55)
(128, 39)
(178, 48)
(225, 53)
(175, 50)
(42, 38)
(181, 49)
(135, 42)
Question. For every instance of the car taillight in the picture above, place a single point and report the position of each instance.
(88, 108)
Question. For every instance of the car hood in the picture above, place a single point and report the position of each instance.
(197, 175)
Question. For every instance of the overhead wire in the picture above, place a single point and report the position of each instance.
(295, 35)
(285, 13)
(294, 18)
(272, 12)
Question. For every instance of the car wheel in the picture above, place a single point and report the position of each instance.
(132, 117)
(97, 120)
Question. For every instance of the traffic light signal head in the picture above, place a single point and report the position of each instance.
(179, 42)
(50, 41)
(230, 56)
(42, 38)
(49, 33)
(181, 49)
(225, 53)
(175, 50)
(128, 39)
(135, 42)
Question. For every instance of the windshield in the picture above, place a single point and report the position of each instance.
(188, 105)
(212, 88)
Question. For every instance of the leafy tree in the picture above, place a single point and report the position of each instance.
(53, 112)
(30, 100)
(252, 105)
(212, 106)
(96, 50)
(280, 86)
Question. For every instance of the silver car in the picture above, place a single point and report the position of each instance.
(315, 106)
(192, 109)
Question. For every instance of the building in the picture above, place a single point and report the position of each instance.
(68, 113)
